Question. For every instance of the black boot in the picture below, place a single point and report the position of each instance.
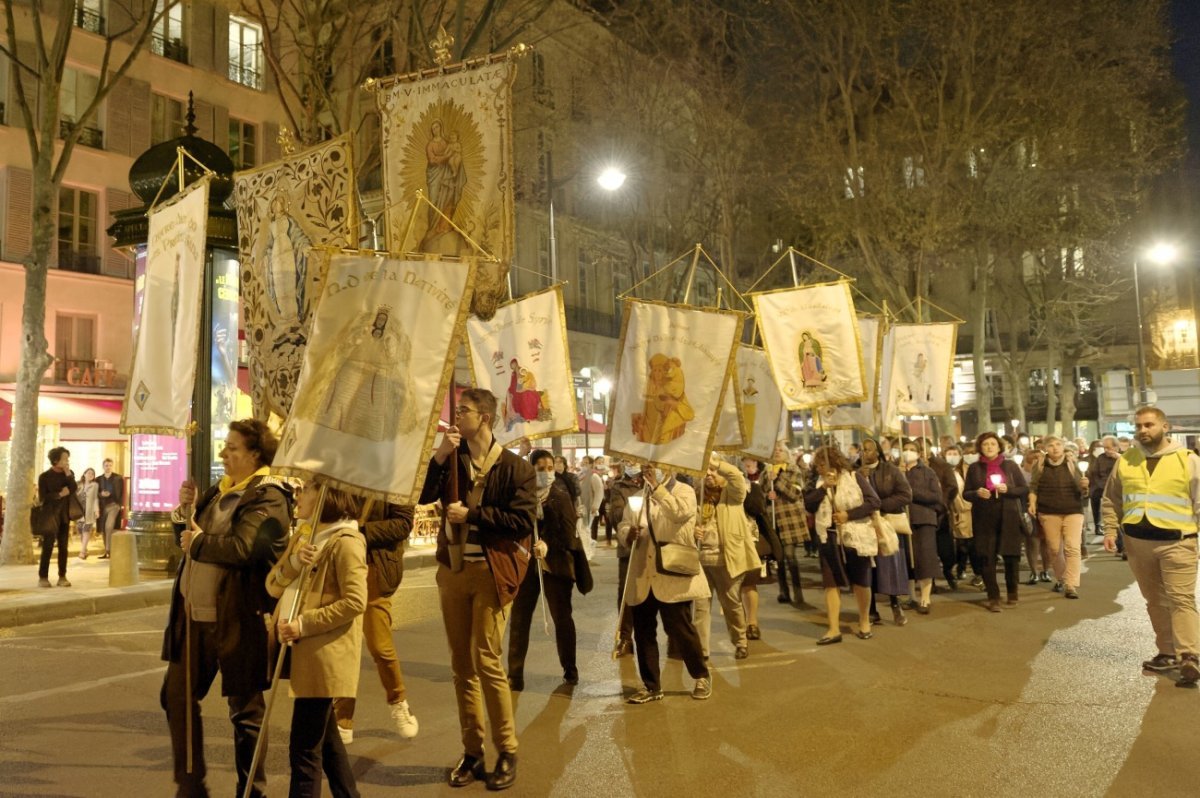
(469, 769)
(505, 774)
(784, 597)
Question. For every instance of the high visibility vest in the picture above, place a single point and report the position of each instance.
(1163, 498)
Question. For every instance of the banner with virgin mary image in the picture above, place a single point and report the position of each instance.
(378, 362)
(672, 364)
(812, 340)
(158, 397)
(449, 136)
(862, 414)
(762, 404)
(283, 209)
(521, 355)
(731, 432)
(919, 369)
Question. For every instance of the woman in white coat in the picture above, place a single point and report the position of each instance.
(668, 517)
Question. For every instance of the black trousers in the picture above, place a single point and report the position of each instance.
(985, 565)
(316, 746)
(48, 541)
(677, 621)
(558, 598)
(946, 549)
(245, 713)
(627, 618)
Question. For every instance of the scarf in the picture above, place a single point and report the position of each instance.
(226, 485)
(542, 495)
(994, 466)
(846, 496)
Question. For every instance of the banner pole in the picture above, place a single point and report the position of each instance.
(687, 291)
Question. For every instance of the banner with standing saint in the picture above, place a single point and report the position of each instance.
(762, 404)
(919, 369)
(673, 362)
(521, 356)
(377, 364)
(812, 340)
(449, 136)
(158, 398)
(283, 209)
(862, 414)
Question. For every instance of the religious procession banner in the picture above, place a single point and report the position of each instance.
(158, 399)
(762, 404)
(673, 362)
(731, 430)
(283, 209)
(450, 137)
(862, 414)
(812, 340)
(521, 356)
(377, 364)
(920, 369)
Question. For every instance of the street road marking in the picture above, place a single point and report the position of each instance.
(79, 687)
(82, 634)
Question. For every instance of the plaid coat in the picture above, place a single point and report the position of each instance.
(791, 520)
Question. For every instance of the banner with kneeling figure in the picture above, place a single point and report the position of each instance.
(919, 369)
(673, 362)
(521, 355)
(378, 362)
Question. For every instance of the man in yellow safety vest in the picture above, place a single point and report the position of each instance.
(1153, 495)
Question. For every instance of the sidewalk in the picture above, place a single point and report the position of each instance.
(22, 602)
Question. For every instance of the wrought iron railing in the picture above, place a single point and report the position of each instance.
(174, 49)
(247, 76)
(71, 261)
(88, 136)
(89, 20)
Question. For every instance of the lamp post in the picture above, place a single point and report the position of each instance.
(1162, 254)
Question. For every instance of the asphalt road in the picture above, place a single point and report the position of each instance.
(1045, 700)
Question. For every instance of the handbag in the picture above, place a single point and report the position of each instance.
(885, 534)
(74, 507)
(675, 559)
(899, 522)
(583, 571)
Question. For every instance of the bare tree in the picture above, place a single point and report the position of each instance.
(39, 67)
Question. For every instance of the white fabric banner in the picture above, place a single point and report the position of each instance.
(811, 337)
(862, 414)
(158, 399)
(378, 361)
(920, 367)
(521, 356)
(672, 365)
(731, 433)
(762, 404)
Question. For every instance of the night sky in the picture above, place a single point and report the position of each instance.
(1185, 17)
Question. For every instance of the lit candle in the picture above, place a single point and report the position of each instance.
(1083, 467)
(996, 479)
(635, 504)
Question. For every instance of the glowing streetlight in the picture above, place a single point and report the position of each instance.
(611, 178)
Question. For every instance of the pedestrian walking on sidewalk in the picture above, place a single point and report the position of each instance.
(112, 502)
(56, 492)
(88, 494)
(1153, 496)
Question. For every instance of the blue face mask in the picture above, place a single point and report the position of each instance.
(545, 479)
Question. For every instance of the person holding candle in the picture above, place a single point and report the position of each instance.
(995, 487)
(1056, 493)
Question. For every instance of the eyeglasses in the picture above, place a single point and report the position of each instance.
(462, 410)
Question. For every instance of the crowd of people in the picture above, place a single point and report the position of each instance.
(888, 520)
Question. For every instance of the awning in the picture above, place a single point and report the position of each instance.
(591, 426)
(81, 417)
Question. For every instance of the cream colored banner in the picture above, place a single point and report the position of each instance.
(762, 404)
(376, 367)
(811, 338)
(283, 209)
(920, 369)
(158, 399)
(731, 431)
(861, 415)
(521, 356)
(450, 136)
(672, 364)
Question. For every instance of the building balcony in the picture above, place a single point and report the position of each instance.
(247, 76)
(88, 136)
(82, 262)
(88, 20)
(174, 49)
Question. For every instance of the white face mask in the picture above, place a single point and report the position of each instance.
(953, 459)
(632, 471)
(659, 477)
(910, 457)
(970, 459)
(1099, 450)
(545, 479)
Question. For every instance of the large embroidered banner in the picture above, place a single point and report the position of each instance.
(450, 137)
(673, 362)
(731, 430)
(762, 404)
(158, 399)
(862, 414)
(811, 338)
(521, 355)
(376, 367)
(919, 369)
(283, 209)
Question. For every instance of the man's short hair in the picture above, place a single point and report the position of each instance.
(1150, 410)
(107, 460)
(485, 401)
(540, 454)
(56, 454)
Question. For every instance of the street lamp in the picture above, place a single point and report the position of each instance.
(611, 178)
(1161, 254)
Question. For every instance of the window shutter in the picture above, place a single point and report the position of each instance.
(204, 121)
(221, 128)
(117, 116)
(270, 143)
(18, 214)
(220, 42)
(200, 48)
(116, 264)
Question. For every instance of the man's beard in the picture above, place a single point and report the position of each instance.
(1153, 443)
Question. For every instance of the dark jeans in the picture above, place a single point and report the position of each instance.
(245, 713)
(985, 566)
(677, 621)
(48, 542)
(946, 549)
(316, 746)
(627, 618)
(558, 597)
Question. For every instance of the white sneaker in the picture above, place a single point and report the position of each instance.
(347, 735)
(406, 722)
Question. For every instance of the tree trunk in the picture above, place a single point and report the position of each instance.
(1052, 359)
(35, 359)
(1066, 397)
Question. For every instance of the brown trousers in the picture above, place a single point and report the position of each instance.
(1166, 574)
